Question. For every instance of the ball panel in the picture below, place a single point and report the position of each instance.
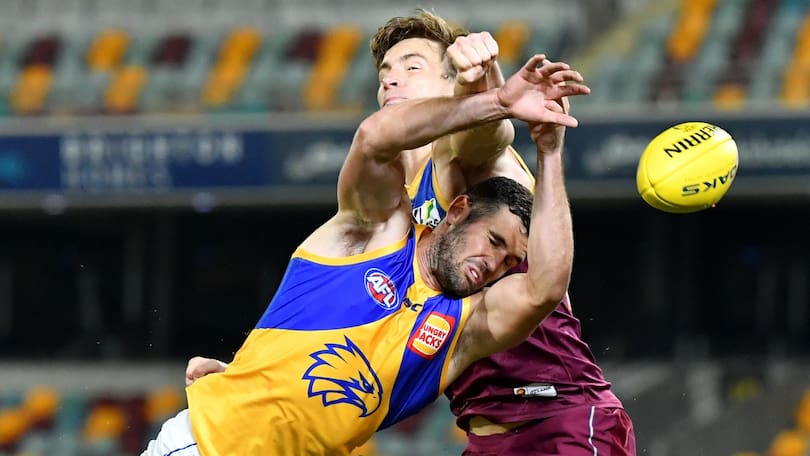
(702, 181)
(678, 145)
(687, 167)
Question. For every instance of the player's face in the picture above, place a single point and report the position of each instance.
(471, 256)
(411, 69)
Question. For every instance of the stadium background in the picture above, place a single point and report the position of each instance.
(160, 159)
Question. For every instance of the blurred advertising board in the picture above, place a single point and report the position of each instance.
(262, 165)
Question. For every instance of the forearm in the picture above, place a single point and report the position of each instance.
(415, 123)
(479, 146)
(551, 239)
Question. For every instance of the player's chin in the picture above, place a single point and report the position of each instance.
(473, 288)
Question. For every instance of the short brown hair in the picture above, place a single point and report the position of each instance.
(421, 24)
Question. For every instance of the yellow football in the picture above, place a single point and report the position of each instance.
(687, 168)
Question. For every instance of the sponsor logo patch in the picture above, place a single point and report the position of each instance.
(536, 390)
(431, 335)
(381, 289)
(427, 214)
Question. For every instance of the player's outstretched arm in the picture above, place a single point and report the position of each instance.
(506, 313)
(370, 185)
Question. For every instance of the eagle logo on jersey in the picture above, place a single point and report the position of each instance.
(427, 214)
(342, 374)
(381, 289)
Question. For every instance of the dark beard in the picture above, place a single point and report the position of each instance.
(448, 273)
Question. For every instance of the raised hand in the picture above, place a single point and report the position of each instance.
(472, 56)
(525, 93)
(549, 136)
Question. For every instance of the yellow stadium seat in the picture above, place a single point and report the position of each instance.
(241, 44)
(729, 97)
(104, 422)
(107, 50)
(335, 54)
(31, 90)
(123, 92)
(788, 443)
(511, 37)
(41, 403)
(13, 424)
(234, 59)
(691, 28)
(222, 83)
(162, 403)
(796, 87)
(803, 414)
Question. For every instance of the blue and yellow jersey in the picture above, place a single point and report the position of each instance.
(428, 205)
(346, 347)
(427, 202)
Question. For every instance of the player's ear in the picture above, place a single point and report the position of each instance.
(459, 209)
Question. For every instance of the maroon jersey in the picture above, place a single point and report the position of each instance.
(553, 370)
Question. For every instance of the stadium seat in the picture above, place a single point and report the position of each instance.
(335, 54)
(13, 425)
(41, 404)
(357, 91)
(124, 89)
(31, 89)
(162, 404)
(512, 37)
(233, 62)
(788, 443)
(107, 50)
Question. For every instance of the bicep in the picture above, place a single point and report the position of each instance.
(501, 318)
(481, 146)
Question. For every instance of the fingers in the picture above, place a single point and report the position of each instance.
(553, 106)
(200, 367)
(550, 68)
(192, 369)
(565, 76)
(563, 119)
(475, 49)
(491, 44)
(569, 90)
(534, 62)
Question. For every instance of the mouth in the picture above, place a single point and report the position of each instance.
(393, 100)
(474, 275)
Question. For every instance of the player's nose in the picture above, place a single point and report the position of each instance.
(390, 81)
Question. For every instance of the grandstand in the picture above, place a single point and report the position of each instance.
(150, 148)
(86, 57)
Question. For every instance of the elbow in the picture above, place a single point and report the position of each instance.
(369, 141)
(556, 292)
(547, 294)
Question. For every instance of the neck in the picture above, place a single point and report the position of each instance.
(423, 258)
(413, 160)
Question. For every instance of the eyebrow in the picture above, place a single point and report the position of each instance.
(387, 66)
(501, 241)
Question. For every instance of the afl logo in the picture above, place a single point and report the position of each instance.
(381, 289)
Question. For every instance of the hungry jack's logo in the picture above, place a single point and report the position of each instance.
(431, 335)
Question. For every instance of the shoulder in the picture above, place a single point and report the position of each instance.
(347, 234)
